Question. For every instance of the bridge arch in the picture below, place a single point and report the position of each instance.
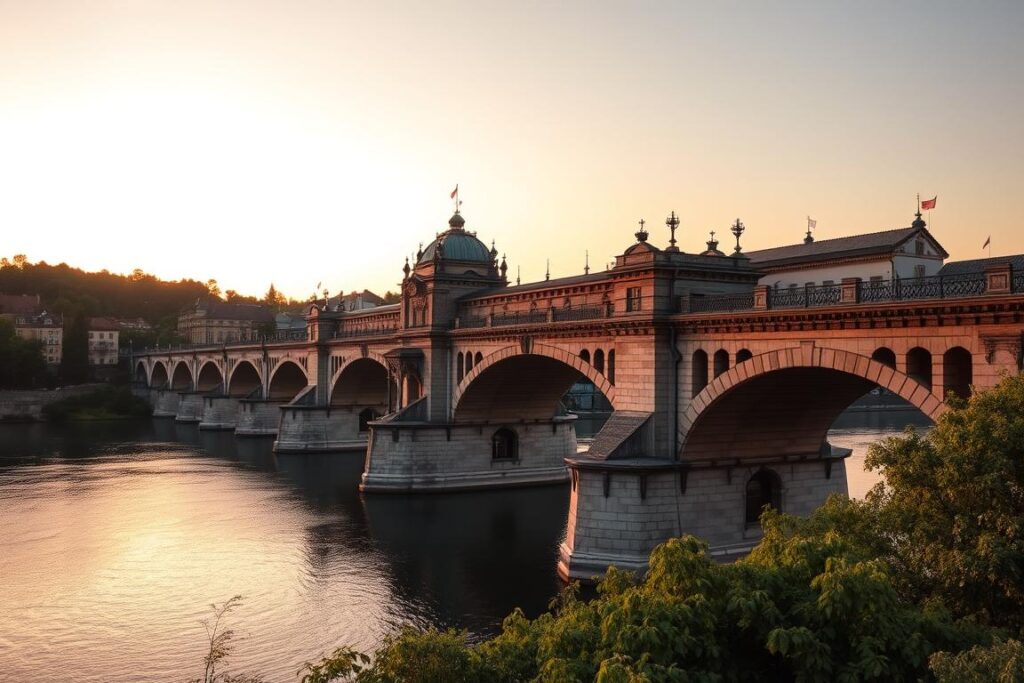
(783, 403)
(245, 378)
(210, 377)
(287, 380)
(181, 378)
(523, 381)
(140, 373)
(158, 375)
(363, 382)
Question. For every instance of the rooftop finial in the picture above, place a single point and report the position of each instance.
(517, 275)
(641, 234)
(672, 222)
(455, 197)
(586, 262)
(737, 229)
(405, 268)
(547, 270)
(811, 225)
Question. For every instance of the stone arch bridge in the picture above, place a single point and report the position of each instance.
(717, 407)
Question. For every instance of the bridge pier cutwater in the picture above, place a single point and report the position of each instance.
(722, 387)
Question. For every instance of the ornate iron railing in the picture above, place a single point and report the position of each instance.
(518, 318)
(366, 331)
(473, 321)
(721, 302)
(581, 313)
(793, 297)
(1018, 282)
(932, 287)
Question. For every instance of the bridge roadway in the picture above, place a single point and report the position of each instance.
(723, 391)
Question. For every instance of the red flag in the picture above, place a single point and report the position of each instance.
(929, 204)
(456, 191)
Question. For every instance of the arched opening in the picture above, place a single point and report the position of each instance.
(469, 361)
(413, 388)
(743, 355)
(366, 416)
(140, 372)
(698, 372)
(244, 380)
(477, 358)
(363, 383)
(286, 382)
(721, 361)
(885, 356)
(210, 378)
(504, 445)
(763, 489)
(460, 367)
(159, 377)
(528, 387)
(957, 371)
(611, 366)
(585, 356)
(599, 360)
(181, 380)
(919, 365)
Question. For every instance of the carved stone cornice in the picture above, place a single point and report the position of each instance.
(995, 342)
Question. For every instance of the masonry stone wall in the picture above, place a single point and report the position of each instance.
(219, 412)
(622, 528)
(403, 457)
(165, 402)
(190, 407)
(258, 417)
(310, 429)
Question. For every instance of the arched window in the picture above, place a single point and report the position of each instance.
(366, 416)
(885, 356)
(469, 361)
(599, 360)
(957, 371)
(721, 361)
(699, 371)
(919, 365)
(477, 358)
(764, 488)
(585, 356)
(743, 355)
(460, 367)
(505, 445)
(611, 366)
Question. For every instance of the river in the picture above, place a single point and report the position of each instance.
(116, 537)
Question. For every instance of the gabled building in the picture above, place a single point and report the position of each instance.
(901, 253)
(104, 340)
(210, 321)
(47, 328)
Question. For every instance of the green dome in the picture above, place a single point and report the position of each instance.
(457, 245)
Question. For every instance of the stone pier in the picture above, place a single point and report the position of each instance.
(319, 429)
(258, 417)
(165, 402)
(219, 413)
(420, 456)
(190, 407)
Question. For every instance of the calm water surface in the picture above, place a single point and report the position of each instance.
(115, 538)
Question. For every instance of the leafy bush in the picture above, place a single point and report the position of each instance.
(106, 402)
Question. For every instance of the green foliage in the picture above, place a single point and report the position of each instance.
(951, 508)
(999, 663)
(221, 644)
(74, 363)
(107, 402)
(22, 363)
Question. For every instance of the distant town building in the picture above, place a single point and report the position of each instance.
(355, 301)
(20, 304)
(104, 338)
(211, 321)
(47, 328)
(902, 253)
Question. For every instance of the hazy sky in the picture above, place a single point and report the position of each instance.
(302, 141)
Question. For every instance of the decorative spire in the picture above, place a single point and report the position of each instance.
(641, 234)
(918, 221)
(405, 268)
(494, 252)
(419, 254)
(672, 222)
(503, 267)
(547, 270)
(737, 229)
(586, 262)
(712, 247)
(517, 275)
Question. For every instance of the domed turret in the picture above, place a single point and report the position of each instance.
(455, 244)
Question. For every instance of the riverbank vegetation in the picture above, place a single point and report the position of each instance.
(922, 580)
(105, 403)
(22, 364)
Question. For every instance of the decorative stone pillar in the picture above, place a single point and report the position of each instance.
(761, 298)
(851, 290)
(998, 278)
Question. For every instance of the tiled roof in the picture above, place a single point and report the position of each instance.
(218, 310)
(854, 245)
(105, 324)
(19, 303)
(979, 265)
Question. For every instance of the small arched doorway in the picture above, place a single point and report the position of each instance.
(504, 445)
(957, 371)
(885, 356)
(721, 361)
(919, 366)
(698, 372)
(764, 488)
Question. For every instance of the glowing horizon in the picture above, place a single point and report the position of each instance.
(293, 143)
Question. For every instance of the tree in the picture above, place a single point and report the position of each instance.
(212, 288)
(274, 298)
(74, 364)
(391, 297)
(22, 363)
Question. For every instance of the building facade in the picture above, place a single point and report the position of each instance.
(216, 322)
(104, 341)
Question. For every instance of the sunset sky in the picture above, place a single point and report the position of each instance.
(303, 141)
